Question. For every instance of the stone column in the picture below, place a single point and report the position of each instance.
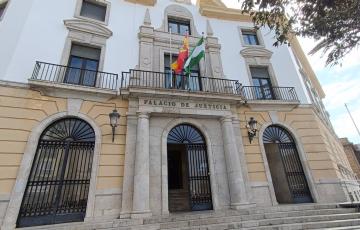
(214, 57)
(141, 198)
(237, 188)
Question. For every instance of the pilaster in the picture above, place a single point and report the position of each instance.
(214, 58)
(238, 196)
(141, 198)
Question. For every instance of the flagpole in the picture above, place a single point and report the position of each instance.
(357, 129)
(171, 72)
(205, 65)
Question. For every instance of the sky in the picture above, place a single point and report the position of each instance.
(341, 84)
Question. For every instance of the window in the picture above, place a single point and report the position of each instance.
(83, 65)
(250, 37)
(262, 83)
(93, 10)
(2, 8)
(179, 26)
(181, 81)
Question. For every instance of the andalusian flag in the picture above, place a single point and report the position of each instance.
(195, 56)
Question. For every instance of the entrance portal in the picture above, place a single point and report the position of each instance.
(286, 170)
(188, 170)
(59, 180)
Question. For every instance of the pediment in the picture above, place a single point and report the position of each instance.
(256, 52)
(87, 27)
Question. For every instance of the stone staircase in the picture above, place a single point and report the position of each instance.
(283, 217)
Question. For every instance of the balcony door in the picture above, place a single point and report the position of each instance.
(83, 65)
(181, 81)
(262, 83)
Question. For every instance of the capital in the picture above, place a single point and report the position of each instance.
(226, 119)
(144, 115)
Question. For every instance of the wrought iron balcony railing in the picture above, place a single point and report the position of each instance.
(160, 80)
(269, 93)
(74, 76)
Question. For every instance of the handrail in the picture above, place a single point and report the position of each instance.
(49, 72)
(269, 93)
(161, 80)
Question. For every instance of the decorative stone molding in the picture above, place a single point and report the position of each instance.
(214, 63)
(251, 52)
(209, 30)
(87, 33)
(87, 27)
(188, 2)
(259, 56)
(180, 12)
(147, 19)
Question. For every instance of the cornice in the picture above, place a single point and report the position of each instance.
(143, 2)
(216, 9)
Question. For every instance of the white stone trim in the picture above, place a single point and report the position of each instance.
(85, 33)
(164, 170)
(302, 156)
(178, 12)
(26, 164)
(252, 62)
(258, 35)
(105, 3)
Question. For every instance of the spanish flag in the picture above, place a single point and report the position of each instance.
(183, 55)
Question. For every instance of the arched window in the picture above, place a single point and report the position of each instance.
(58, 184)
(185, 134)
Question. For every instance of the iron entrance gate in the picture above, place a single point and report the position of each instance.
(294, 173)
(197, 165)
(199, 178)
(58, 184)
(286, 169)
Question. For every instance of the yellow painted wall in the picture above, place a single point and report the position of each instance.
(322, 147)
(21, 109)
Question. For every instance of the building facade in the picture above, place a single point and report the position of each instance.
(182, 142)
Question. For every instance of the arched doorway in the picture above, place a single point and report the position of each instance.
(286, 170)
(58, 183)
(188, 170)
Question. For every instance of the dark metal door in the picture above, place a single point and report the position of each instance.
(58, 184)
(199, 178)
(294, 173)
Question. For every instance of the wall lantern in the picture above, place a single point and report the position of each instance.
(114, 118)
(252, 129)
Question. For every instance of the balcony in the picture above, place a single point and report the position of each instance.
(59, 76)
(178, 83)
(252, 93)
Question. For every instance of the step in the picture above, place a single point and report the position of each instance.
(356, 227)
(238, 214)
(258, 220)
(311, 225)
(237, 222)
